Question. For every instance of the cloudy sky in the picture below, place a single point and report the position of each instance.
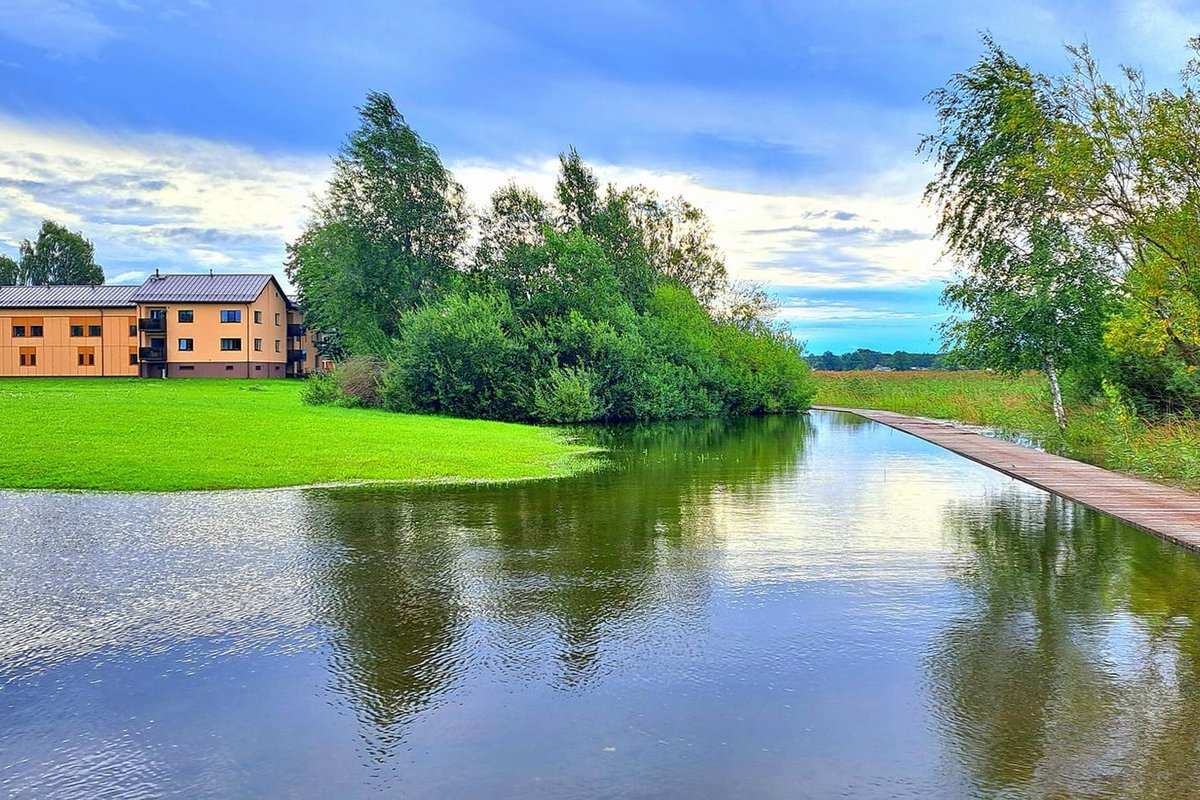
(190, 134)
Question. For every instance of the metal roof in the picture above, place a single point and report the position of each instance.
(104, 296)
(204, 288)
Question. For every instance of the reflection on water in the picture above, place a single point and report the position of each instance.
(1073, 671)
(774, 607)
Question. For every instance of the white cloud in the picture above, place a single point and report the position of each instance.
(183, 203)
(802, 311)
(153, 200)
(880, 237)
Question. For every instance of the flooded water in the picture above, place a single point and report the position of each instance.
(787, 607)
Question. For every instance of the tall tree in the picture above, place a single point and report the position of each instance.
(385, 237)
(1032, 287)
(58, 256)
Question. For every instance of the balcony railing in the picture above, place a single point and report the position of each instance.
(152, 354)
(296, 331)
(152, 324)
(297, 355)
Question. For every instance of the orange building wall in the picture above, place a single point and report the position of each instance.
(206, 332)
(58, 352)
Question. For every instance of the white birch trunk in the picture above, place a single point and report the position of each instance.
(1060, 414)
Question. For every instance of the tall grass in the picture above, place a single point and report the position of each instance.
(1099, 432)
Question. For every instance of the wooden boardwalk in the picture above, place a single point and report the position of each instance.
(1170, 513)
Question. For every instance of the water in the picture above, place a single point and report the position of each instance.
(799, 607)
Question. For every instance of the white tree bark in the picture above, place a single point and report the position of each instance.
(1060, 414)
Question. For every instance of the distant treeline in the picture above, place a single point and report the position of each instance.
(870, 359)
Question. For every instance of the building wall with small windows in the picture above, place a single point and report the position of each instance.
(68, 342)
(232, 326)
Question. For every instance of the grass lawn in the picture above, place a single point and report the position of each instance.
(155, 435)
(1167, 451)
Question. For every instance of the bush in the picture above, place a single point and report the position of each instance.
(321, 388)
(1158, 385)
(358, 380)
(567, 394)
(463, 356)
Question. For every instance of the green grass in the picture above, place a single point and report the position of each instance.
(156, 435)
(1166, 451)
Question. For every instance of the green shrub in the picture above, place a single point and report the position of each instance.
(566, 394)
(462, 356)
(321, 388)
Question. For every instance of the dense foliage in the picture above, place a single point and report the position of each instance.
(58, 256)
(863, 358)
(1070, 202)
(601, 304)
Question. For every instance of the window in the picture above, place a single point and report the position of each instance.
(187, 368)
(277, 318)
(18, 331)
(28, 356)
(86, 356)
(133, 356)
(186, 344)
(93, 330)
(77, 330)
(276, 345)
(35, 331)
(231, 315)
(258, 367)
(228, 368)
(187, 315)
(231, 344)
(257, 317)
(258, 345)
(132, 329)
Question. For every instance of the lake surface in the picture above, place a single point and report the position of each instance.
(793, 607)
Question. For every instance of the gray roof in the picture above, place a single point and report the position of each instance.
(104, 296)
(204, 288)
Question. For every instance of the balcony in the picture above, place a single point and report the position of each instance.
(297, 355)
(295, 331)
(151, 355)
(152, 324)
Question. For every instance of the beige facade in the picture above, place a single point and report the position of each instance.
(68, 341)
(262, 337)
(246, 340)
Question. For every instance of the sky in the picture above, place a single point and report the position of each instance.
(190, 135)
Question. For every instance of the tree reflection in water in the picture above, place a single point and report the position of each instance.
(1077, 619)
(547, 581)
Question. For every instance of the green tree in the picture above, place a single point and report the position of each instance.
(517, 218)
(386, 235)
(57, 257)
(10, 271)
(1033, 290)
(1041, 306)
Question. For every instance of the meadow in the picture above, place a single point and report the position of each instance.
(155, 435)
(1098, 432)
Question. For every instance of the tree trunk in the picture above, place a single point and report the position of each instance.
(1060, 414)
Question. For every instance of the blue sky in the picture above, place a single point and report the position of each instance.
(190, 135)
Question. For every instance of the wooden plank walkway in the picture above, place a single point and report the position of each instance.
(1172, 514)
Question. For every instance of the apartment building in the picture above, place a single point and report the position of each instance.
(172, 326)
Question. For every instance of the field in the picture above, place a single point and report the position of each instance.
(1166, 451)
(156, 435)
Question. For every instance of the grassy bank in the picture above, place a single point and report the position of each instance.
(1098, 434)
(147, 435)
